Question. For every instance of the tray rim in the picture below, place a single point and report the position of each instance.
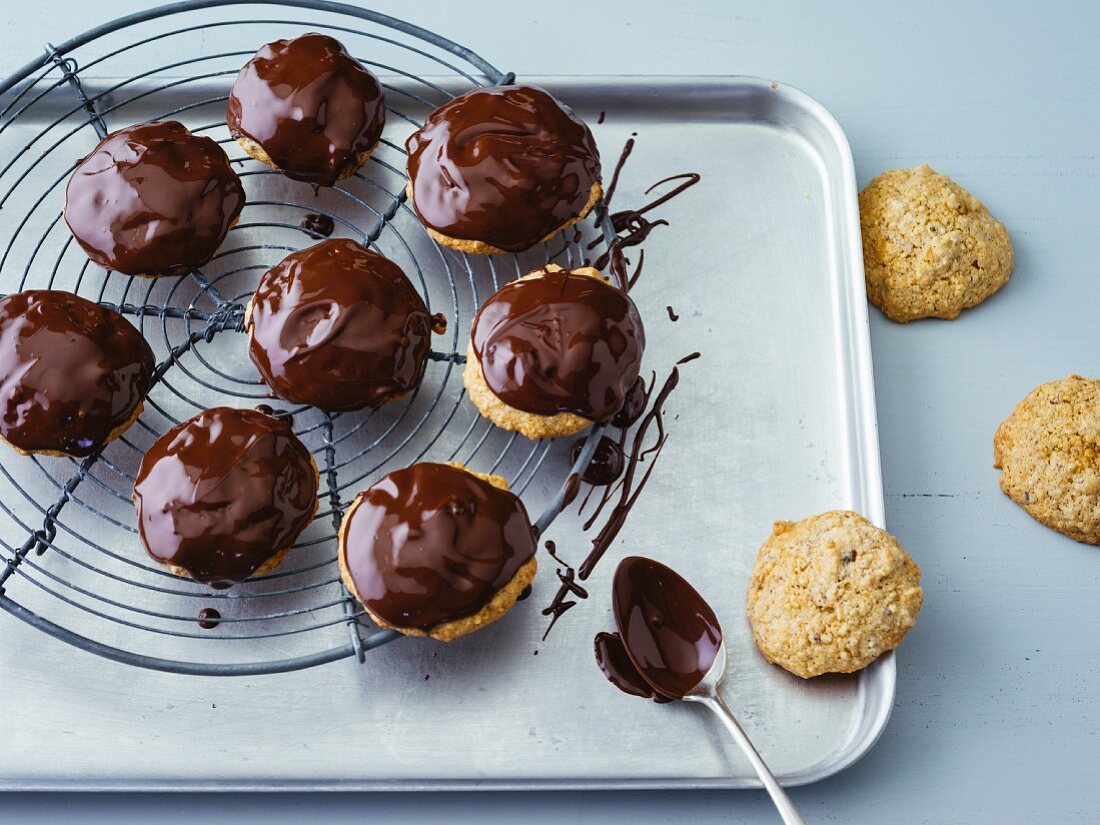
(877, 683)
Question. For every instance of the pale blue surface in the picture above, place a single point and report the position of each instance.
(997, 707)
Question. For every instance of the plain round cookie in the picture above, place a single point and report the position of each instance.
(506, 417)
(831, 593)
(1048, 451)
(930, 248)
(503, 600)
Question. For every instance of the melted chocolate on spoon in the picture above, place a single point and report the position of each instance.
(615, 663)
(668, 631)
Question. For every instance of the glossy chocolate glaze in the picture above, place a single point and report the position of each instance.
(71, 372)
(221, 493)
(432, 543)
(506, 165)
(560, 343)
(667, 629)
(607, 461)
(338, 327)
(614, 662)
(311, 106)
(153, 199)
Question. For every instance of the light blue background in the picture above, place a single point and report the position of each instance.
(997, 706)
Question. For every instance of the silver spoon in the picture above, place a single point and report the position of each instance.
(670, 646)
(706, 694)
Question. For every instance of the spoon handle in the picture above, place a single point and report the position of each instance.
(783, 803)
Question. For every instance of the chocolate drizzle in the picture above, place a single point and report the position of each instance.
(338, 327)
(72, 372)
(153, 199)
(667, 629)
(313, 108)
(506, 165)
(624, 494)
(432, 543)
(633, 227)
(223, 492)
(614, 662)
(567, 577)
(561, 342)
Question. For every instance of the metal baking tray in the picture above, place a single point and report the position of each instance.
(761, 262)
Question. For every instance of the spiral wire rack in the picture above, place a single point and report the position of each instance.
(70, 561)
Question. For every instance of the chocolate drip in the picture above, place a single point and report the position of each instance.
(669, 632)
(317, 225)
(311, 106)
(153, 199)
(208, 618)
(432, 543)
(507, 165)
(221, 493)
(606, 464)
(338, 327)
(614, 662)
(567, 576)
(561, 342)
(71, 372)
(625, 494)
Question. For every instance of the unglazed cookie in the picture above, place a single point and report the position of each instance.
(501, 169)
(553, 352)
(1048, 451)
(338, 327)
(930, 248)
(308, 109)
(153, 199)
(73, 374)
(224, 495)
(831, 593)
(437, 550)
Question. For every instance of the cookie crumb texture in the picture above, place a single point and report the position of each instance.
(831, 593)
(1048, 451)
(930, 248)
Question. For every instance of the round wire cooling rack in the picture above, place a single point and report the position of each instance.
(70, 560)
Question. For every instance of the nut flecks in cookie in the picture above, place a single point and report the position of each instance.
(930, 248)
(1048, 450)
(831, 593)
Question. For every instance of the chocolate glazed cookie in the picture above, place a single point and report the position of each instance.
(73, 374)
(338, 327)
(437, 550)
(224, 495)
(501, 169)
(307, 108)
(153, 199)
(553, 352)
